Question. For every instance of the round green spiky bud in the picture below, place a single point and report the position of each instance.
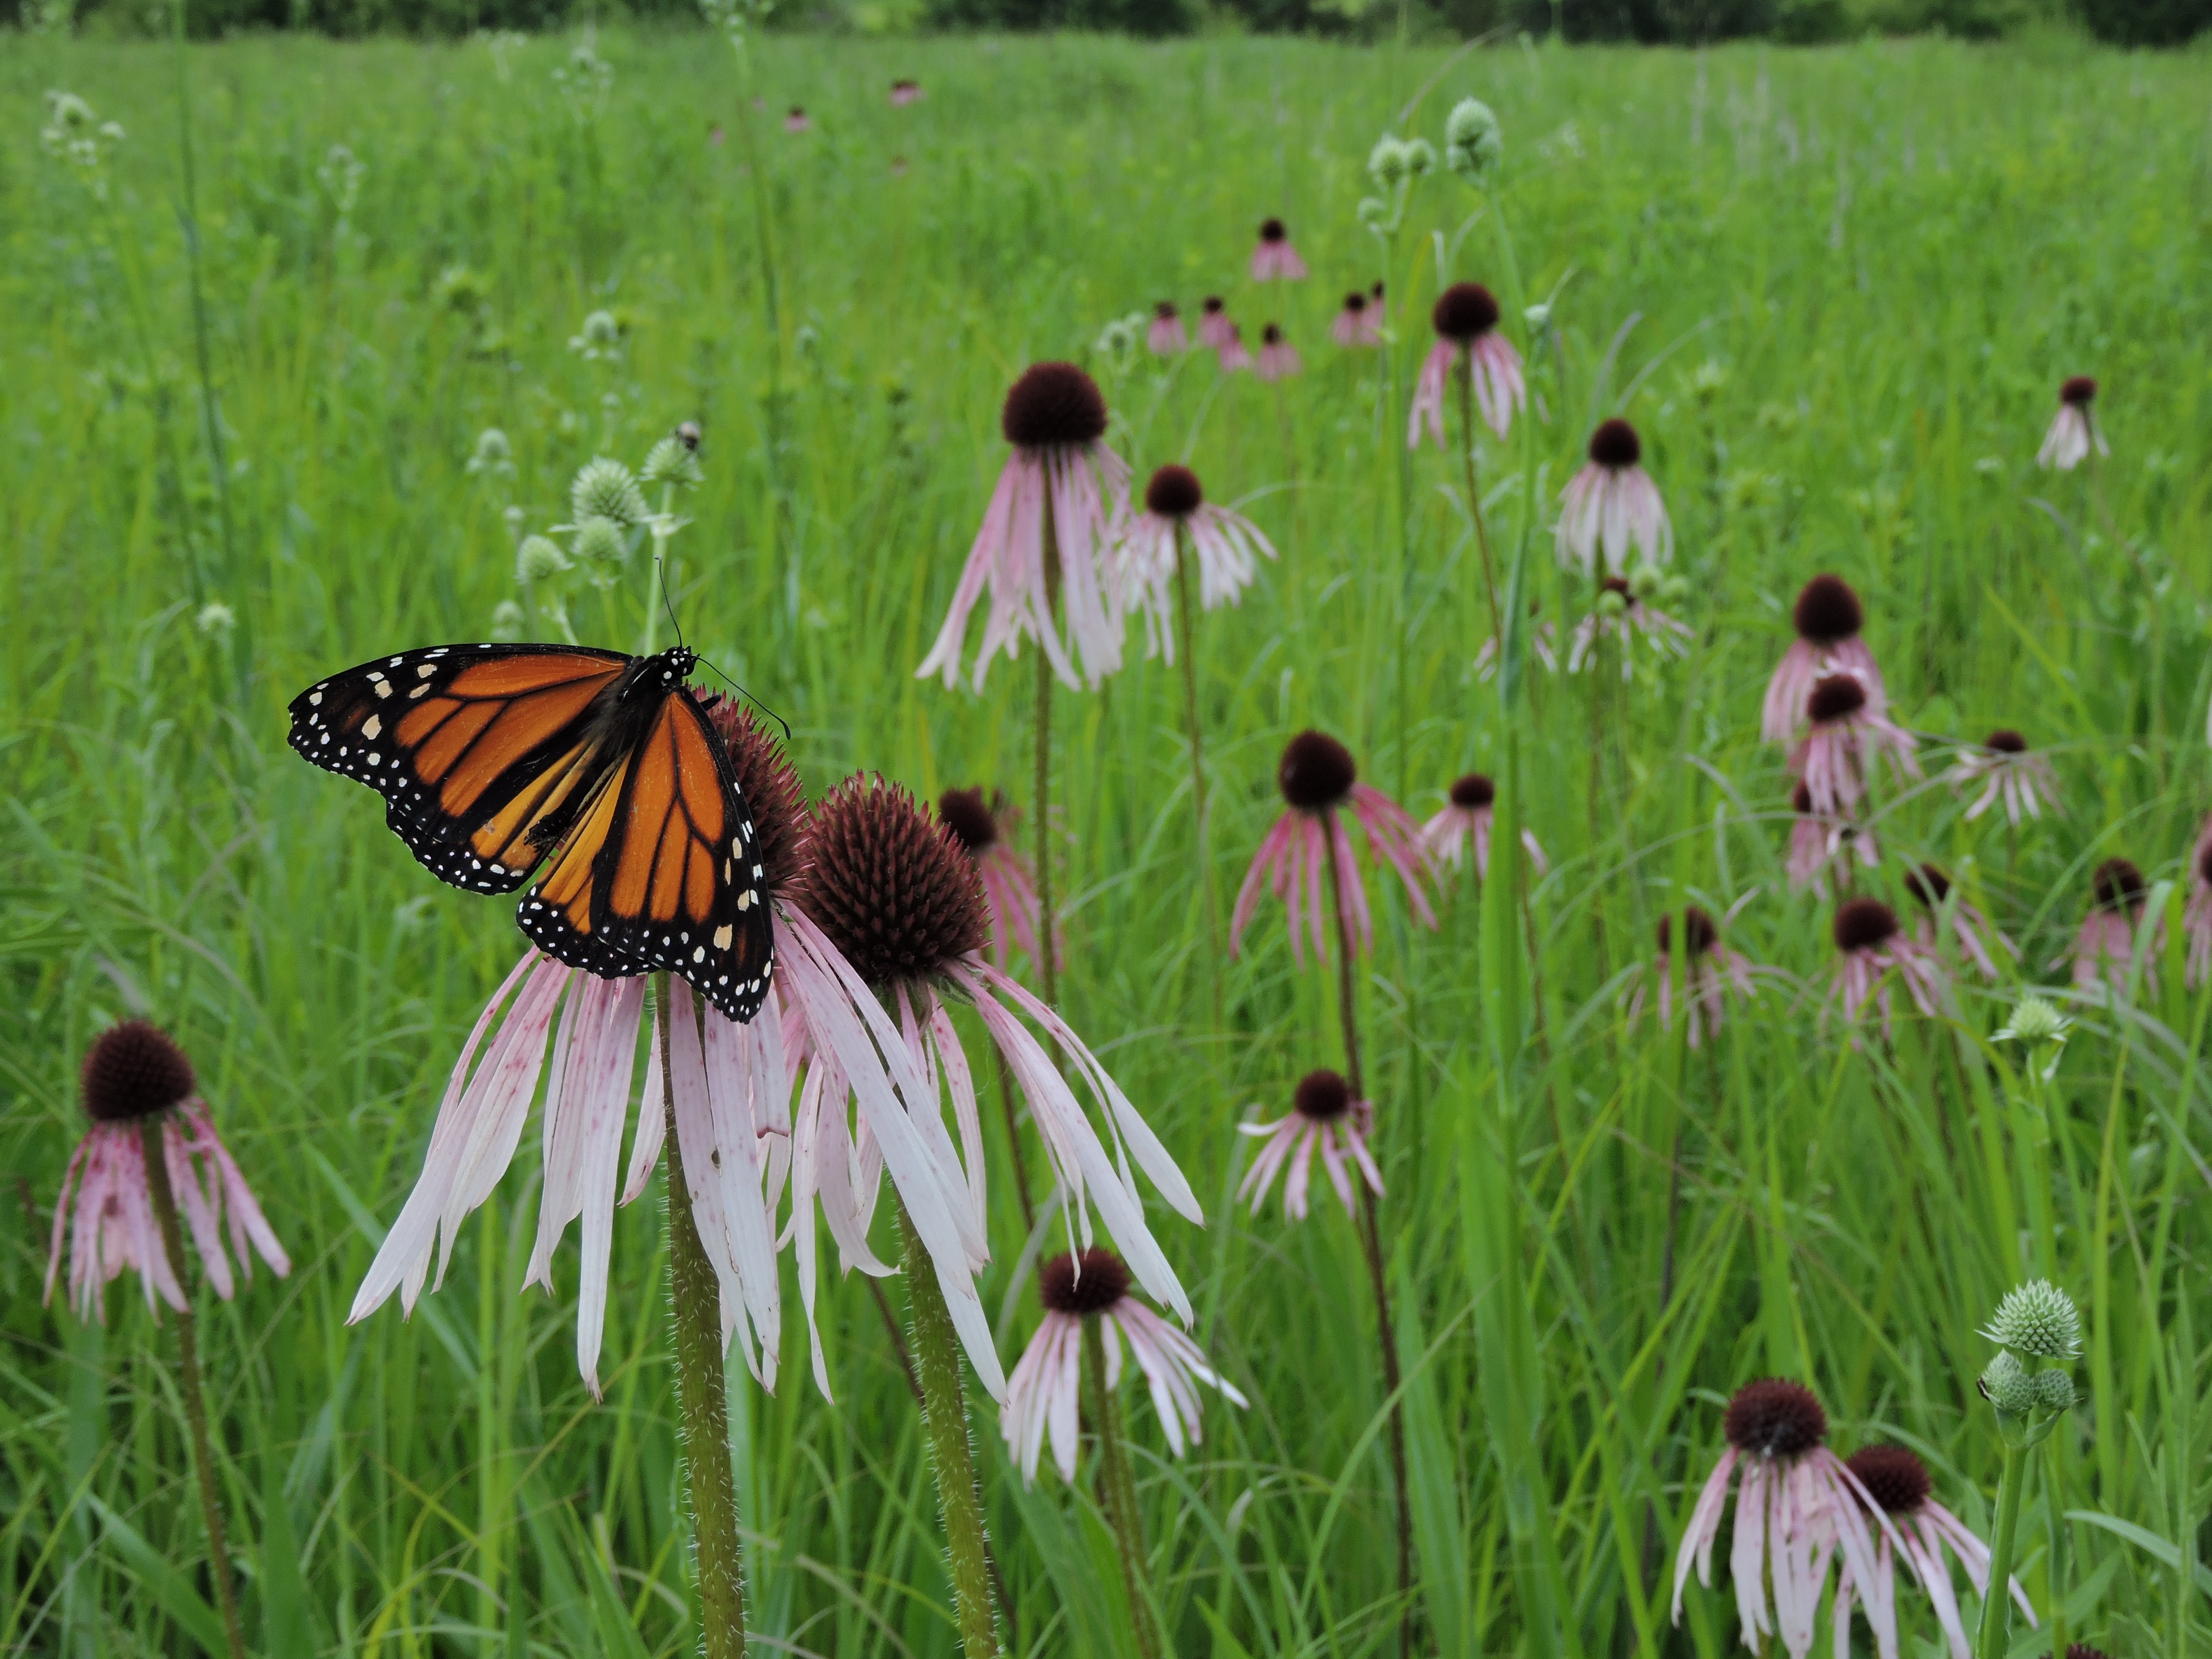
(1389, 162)
(2035, 1021)
(1474, 144)
(2006, 1384)
(538, 559)
(1646, 580)
(493, 452)
(671, 461)
(2038, 1318)
(2054, 1390)
(507, 622)
(605, 489)
(1372, 211)
(600, 335)
(599, 541)
(1420, 157)
(215, 618)
(1611, 602)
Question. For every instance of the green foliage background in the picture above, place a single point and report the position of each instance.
(1836, 290)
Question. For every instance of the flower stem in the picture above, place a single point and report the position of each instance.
(2054, 1475)
(1120, 1490)
(188, 1363)
(1185, 626)
(702, 1409)
(1463, 384)
(944, 1418)
(1370, 1235)
(1049, 970)
(1995, 1603)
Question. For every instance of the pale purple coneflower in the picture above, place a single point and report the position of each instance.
(1060, 499)
(1275, 259)
(1279, 358)
(903, 906)
(579, 1032)
(798, 121)
(1227, 547)
(1351, 326)
(1870, 942)
(985, 829)
(1611, 508)
(1166, 335)
(1310, 845)
(1979, 940)
(1378, 308)
(1234, 356)
(1468, 815)
(1894, 1484)
(135, 1078)
(2074, 431)
(905, 92)
(1827, 618)
(1215, 330)
(2104, 944)
(1797, 1504)
(1817, 837)
(2196, 919)
(2007, 770)
(1323, 1118)
(1465, 318)
(1711, 975)
(1848, 729)
(1042, 1394)
(1620, 617)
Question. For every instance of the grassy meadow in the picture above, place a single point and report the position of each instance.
(1836, 290)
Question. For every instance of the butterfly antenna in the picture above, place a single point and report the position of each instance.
(660, 574)
(750, 698)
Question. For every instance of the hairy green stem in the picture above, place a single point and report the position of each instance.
(188, 1364)
(944, 1419)
(1120, 1489)
(702, 1409)
(2054, 1478)
(1463, 383)
(1185, 625)
(1996, 1619)
(1049, 970)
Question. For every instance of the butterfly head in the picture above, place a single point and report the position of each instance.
(675, 666)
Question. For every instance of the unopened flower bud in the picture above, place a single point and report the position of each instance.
(599, 541)
(215, 617)
(1610, 603)
(1388, 162)
(2038, 1318)
(1420, 157)
(2054, 1390)
(2006, 1384)
(1474, 143)
(2034, 1021)
(1538, 317)
(604, 490)
(1372, 211)
(670, 461)
(493, 454)
(1645, 580)
(540, 558)
(507, 622)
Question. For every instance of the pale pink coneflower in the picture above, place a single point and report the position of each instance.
(1042, 1394)
(1234, 356)
(2104, 945)
(1279, 358)
(135, 1079)
(1827, 618)
(1469, 814)
(2006, 769)
(903, 906)
(1060, 483)
(904, 92)
(1275, 259)
(798, 121)
(1465, 318)
(1870, 942)
(1378, 308)
(1979, 940)
(1610, 509)
(1797, 1504)
(1215, 330)
(1621, 617)
(1351, 326)
(1711, 975)
(1227, 547)
(985, 829)
(1815, 838)
(2074, 431)
(1166, 335)
(1323, 1118)
(580, 1032)
(1310, 845)
(2196, 918)
(1541, 645)
(1848, 732)
(1894, 1484)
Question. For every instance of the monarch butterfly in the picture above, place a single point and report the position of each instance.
(492, 757)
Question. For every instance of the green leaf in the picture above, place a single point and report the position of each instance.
(168, 1587)
(2149, 1542)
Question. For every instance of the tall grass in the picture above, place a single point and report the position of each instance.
(1835, 290)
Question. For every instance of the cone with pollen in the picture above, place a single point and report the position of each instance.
(1610, 514)
(1324, 1118)
(1465, 319)
(1891, 1482)
(1826, 619)
(1224, 547)
(1464, 824)
(2106, 942)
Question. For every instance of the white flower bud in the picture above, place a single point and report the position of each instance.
(599, 541)
(507, 621)
(599, 337)
(2006, 1384)
(671, 461)
(605, 489)
(2035, 1021)
(1474, 143)
(539, 558)
(214, 618)
(2038, 1318)
(494, 454)
(2054, 1390)
(1373, 211)
(1388, 162)
(1420, 157)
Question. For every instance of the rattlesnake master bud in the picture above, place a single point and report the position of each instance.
(1174, 492)
(1893, 1478)
(598, 338)
(1102, 1282)
(2116, 885)
(605, 489)
(1861, 924)
(1389, 162)
(1322, 1096)
(1054, 403)
(1474, 144)
(1420, 158)
(675, 462)
(538, 559)
(1775, 1419)
(2033, 1021)
(493, 452)
(133, 1071)
(2054, 1390)
(898, 895)
(2005, 1383)
(599, 541)
(2038, 1318)
(1316, 771)
(1827, 612)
